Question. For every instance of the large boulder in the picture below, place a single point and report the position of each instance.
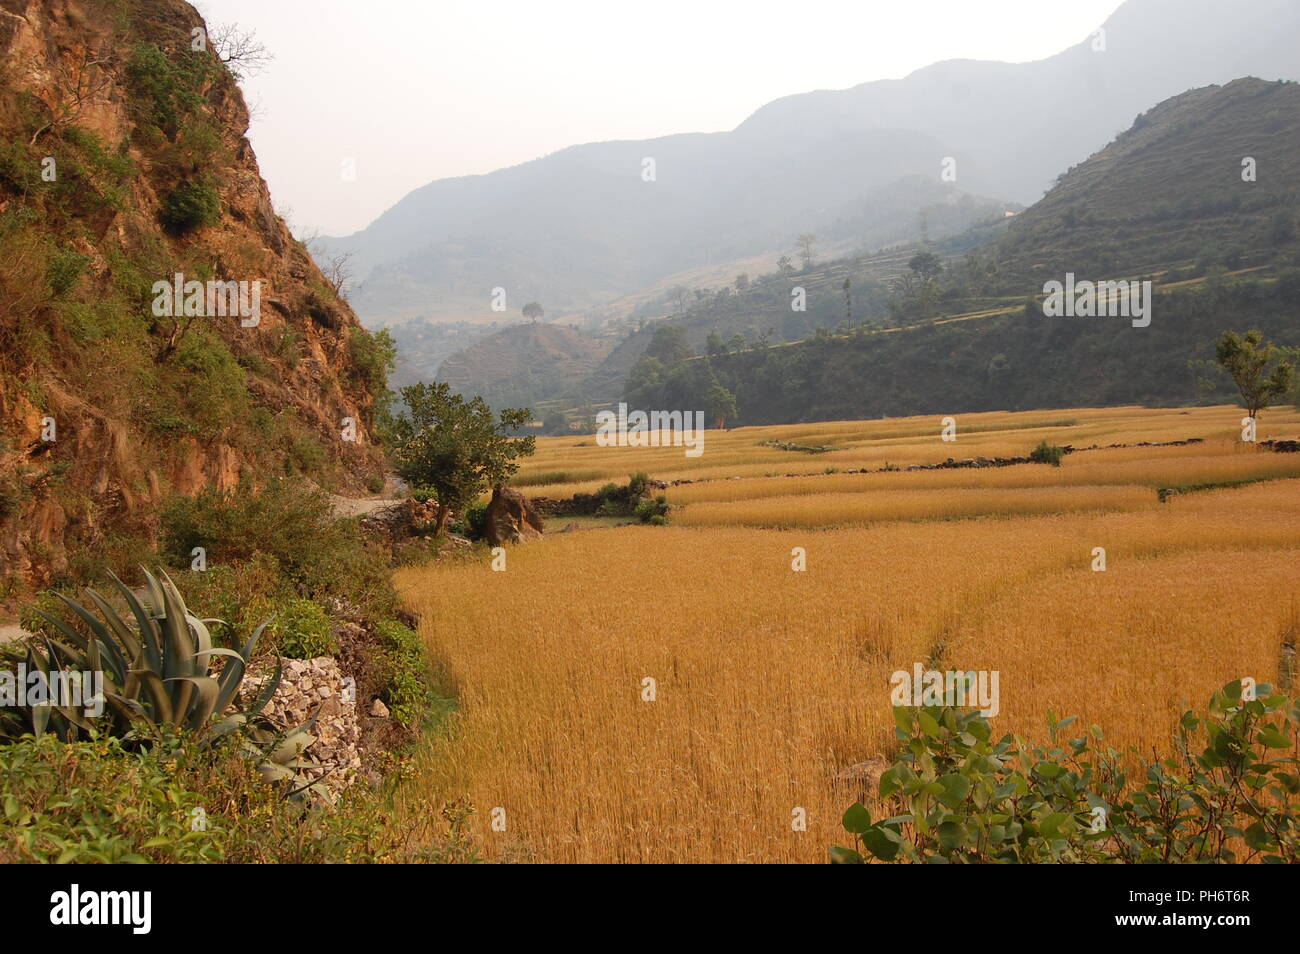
(511, 518)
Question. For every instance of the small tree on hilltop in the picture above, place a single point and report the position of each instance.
(1247, 358)
(454, 447)
(533, 311)
(926, 264)
(806, 245)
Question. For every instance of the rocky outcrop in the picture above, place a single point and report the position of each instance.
(511, 518)
(120, 407)
(863, 779)
(401, 520)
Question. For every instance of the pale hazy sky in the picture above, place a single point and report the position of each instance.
(417, 90)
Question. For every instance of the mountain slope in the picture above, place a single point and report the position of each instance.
(1170, 188)
(762, 307)
(581, 226)
(108, 403)
(1167, 185)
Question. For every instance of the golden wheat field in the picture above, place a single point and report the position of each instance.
(768, 682)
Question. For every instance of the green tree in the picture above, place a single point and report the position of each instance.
(454, 447)
(722, 406)
(1247, 359)
(669, 345)
(374, 354)
(555, 421)
(644, 380)
(926, 265)
(1281, 227)
(533, 311)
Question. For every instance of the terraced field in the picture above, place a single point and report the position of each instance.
(768, 682)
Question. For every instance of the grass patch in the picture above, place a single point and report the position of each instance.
(1164, 493)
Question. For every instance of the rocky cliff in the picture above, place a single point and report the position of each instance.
(160, 329)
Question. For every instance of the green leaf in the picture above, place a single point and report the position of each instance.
(857, 819)
(1049, 826)
(955, 789)
(1274, 739)
(877, 841)
(951, 835)
(903, 718)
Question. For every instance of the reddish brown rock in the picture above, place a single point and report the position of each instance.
(511, 518)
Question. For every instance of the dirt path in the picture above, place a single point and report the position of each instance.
(394, 492)
(11, 631)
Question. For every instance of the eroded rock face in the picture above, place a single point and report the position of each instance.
(511, 518)
(113, 463)
(308, 685)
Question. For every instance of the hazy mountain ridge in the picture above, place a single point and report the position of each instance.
(580, 227)
(761, 308)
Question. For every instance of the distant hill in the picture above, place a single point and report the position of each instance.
(1165, 200)
(762, 307)
(581, 227)
(525, 364)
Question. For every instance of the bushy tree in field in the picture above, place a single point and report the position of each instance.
(1046, 453)
(454, 447)
(722, 406)
(1256, 367)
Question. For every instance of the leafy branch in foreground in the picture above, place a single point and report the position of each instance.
(957, 796)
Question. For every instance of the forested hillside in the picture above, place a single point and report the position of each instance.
(1173, 200)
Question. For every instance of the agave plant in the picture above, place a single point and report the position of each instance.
(160, 672)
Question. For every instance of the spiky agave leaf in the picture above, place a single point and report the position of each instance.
(100, 640)
(268, 691)
(233, 673)
(199, 712)
(149, 643)
(154, 690)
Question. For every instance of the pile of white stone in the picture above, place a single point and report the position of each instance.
(308, 685)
